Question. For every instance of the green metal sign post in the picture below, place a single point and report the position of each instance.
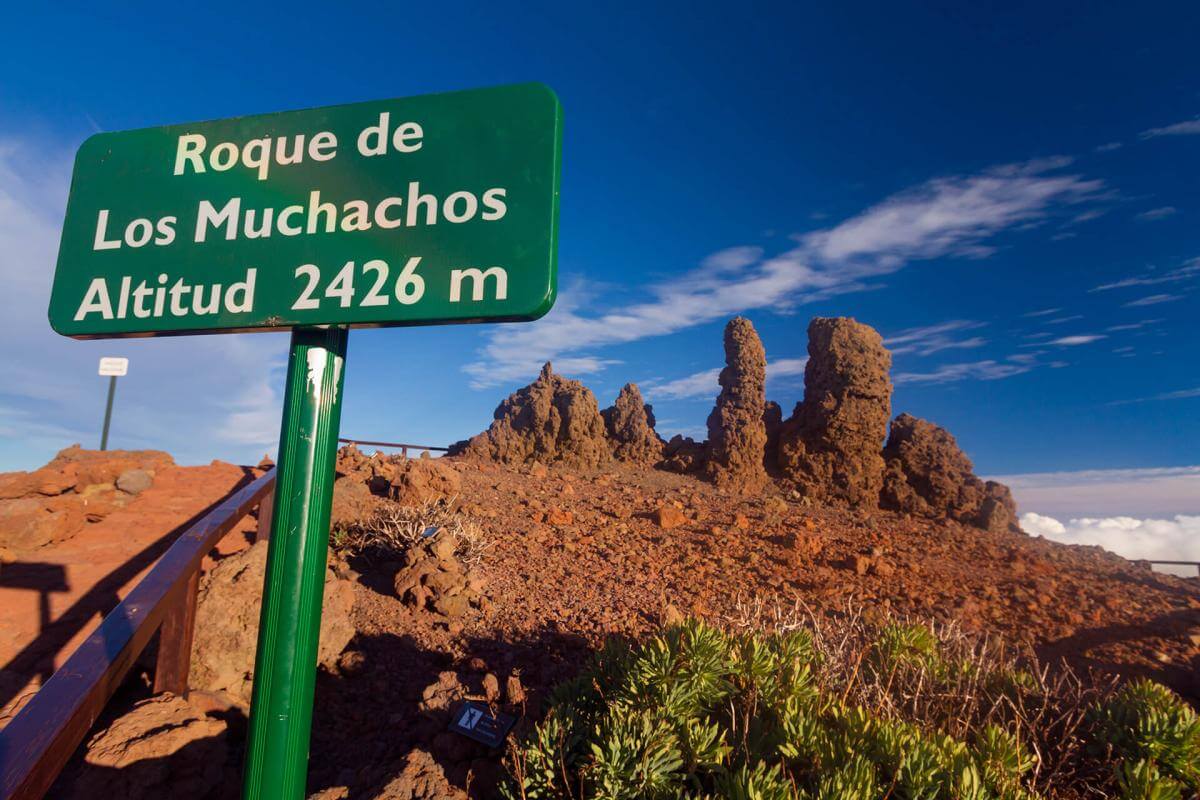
(416, 211)
(285, 666)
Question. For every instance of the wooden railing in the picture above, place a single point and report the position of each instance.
(401, 445)
(41, 738)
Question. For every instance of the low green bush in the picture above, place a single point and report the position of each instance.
(900, 712)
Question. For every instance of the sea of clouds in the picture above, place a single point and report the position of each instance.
(1136, 513)
(1175, 539)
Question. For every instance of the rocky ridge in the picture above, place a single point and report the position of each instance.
(831, 449)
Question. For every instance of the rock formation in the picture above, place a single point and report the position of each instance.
(737, 436)
(434, 579)
(162, 747)
(363, 482)
(683, 454)
(552, 420)
(226, 631)
(630, 425)
(773, 424)
(928, 475)
(53, 503)
(830, 447)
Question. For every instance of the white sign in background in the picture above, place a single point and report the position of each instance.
(113, 366)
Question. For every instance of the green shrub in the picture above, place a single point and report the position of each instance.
(697, 712)
(1151, 730)
(843, 710)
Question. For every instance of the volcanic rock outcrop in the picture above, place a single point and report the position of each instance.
(53, 503)
(226, 630)
(683, 454)
(927, 474)
(630, 426)
(830, 447)
(552, 420)
(162, 747)
(363, 482)
(772, 424)
(737, 435)
(434, 579)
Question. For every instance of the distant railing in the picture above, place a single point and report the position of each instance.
(1195, 564)
(40, 739)
(401, 445)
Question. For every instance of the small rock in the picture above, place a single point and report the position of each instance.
(135, 481)
(668, 517)
(491, 688)
(514, 692)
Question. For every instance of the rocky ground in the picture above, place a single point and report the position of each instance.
(563, 524)
(572, 556)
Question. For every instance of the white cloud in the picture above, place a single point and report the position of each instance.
(1189, 270)
(703, 384)
(1189, 127)
(1154, 214)
(931, 339)
(1043, 313)
(988, 370)
(1176, 539)
(1107, 147)
(1181, 394)
(1153, 300)
(197, 396)
(786, 367)
(1073, 341)
(952, 216)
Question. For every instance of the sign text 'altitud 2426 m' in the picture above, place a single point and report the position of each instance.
(425, 210)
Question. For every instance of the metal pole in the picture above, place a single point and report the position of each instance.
(286, 663)
(112, 387)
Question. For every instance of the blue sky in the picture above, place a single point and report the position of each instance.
(1008, 194)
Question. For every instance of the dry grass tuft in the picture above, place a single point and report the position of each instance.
(393, 530)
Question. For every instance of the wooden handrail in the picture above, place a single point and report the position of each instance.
(39, 741)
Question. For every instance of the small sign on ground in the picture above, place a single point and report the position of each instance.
(476, 721)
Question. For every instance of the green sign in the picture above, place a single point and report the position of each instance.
(422, 210)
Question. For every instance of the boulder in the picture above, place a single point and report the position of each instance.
(552, 420)
(830, 447)
(134, 481)
(363, 482)
(415, 482)
(163, 747)
(28, 523)
(227, 613)
(353, 504)
(630, 426)
(737, 436)
(683, 455)
(929, 475)
(434, 579)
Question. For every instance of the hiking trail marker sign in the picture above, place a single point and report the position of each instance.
(433, 209)
(418, 211)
